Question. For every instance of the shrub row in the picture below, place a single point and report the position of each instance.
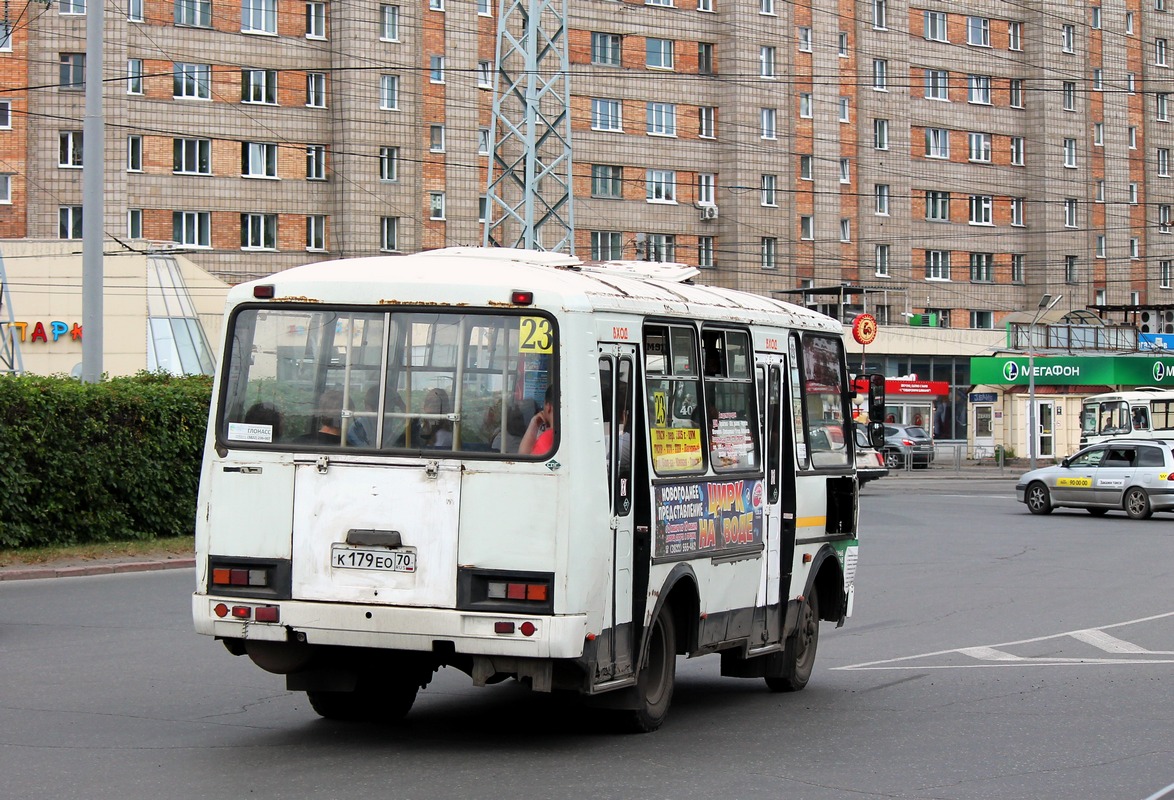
(111, 461)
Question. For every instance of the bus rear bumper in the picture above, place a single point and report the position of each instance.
(395, 628)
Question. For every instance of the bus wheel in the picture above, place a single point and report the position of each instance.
(799, 650)
(1137, 504)
(1039, 500)
(654, 687)
(389, 702)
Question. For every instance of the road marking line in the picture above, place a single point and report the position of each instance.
(988, 654)
(1111, 644)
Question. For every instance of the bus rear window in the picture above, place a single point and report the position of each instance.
(464, 383)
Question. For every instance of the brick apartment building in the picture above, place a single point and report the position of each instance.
(962, 158)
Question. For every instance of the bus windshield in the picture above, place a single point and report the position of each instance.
(467, 382)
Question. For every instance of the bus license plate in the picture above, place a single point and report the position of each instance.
(374, 558)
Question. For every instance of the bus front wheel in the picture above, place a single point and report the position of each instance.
(799, 650)
(654, 687)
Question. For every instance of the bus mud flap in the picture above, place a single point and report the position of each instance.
(539, 675)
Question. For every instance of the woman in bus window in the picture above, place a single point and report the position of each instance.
(539, 437)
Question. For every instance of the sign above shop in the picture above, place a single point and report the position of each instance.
(982, 397)
(903, 386)
(1068, 370)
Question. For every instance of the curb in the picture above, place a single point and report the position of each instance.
(31, 573)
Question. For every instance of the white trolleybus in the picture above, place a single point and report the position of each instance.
(1144, 413)
(520, 465)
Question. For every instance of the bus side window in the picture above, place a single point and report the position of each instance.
(1141, 418)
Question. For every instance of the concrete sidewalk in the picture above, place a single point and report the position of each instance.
(75, 568)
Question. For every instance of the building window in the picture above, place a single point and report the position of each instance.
(389, 23)
(1017, 151)
(134, 76)
(1163, 274)
(706, 188)
(768, 251)
(1070, 269)
(982, 267)
(979, 89)
(1070, 153)
(1099, 246)
(1131, 83)
(5, 188)
(389, 92)
(768, 117)
(1129, 22)
(1098, 134)
(978, 32)
(484, 145)
(192, 81)
(658, 53)
(315, 162)
(1068, 38)
(937, 143)
(1015, 92)
(1017, 262)
(192, 228)
(845, 230)
(607, 181)
(316, 89)
(937, 265)
(69, 222)
(937, 84)
(935, 26)
(706, 122)
(315, 20)
(484, 74)
(661, 186)
(982, 319)
(880, 134)
(134, 153)
(805, 107)
(1100, 191)
(881, 260)
(807, 227)
(1164, 162)
(766, 62)
(845, 109)
(704, 58)
(1095, 18)
(769, 187)
(880, 74)
(483, 208)
(1161, 106)
(937, 206)
(766, 7)
(845, 170)
(192, 156)
(1069, 95)
(1160, 52)
(606, 115)
(388, 163)
(605, 49)
(1131, 133)
(436, 138)
(1071, 212)
(1014, 35)
(5, 115)
(842, 44)
(193, 13)
(607, 246)
(259, 16)
(316, 232)
(134, 223)
(436, 205)
(72, 71)
(1017, 211)
(881, 193)
(1134, 247)
(806, 164)
(660, 247)
(69, 150)
(705, 5)
(258, 231)
(804, 37)
(436, 5)
(880, 14)
(436, 69)
(389, 234)
(661, 119)
(1164, 218)
(134, 11)
(705, 249)
(258, 160)
(980, 209)
(1098, 79)
(980, 147)
(259, 86)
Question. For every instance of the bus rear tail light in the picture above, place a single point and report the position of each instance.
(224, 576)
(528, 592)
(257, 613)
(249, 577)
(492, 590)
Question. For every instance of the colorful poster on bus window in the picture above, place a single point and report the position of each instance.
(676, 449)
(708, 517)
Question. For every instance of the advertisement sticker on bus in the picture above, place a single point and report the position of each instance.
(707, 517)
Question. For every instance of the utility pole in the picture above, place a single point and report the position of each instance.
(93, 205)
(529, 200)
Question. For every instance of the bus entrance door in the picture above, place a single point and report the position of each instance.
(779, 511)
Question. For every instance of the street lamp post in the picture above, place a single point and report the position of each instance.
(1045, 304)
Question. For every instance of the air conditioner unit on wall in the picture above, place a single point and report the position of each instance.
(708, 212)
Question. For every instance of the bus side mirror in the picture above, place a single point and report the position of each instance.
(876, 411)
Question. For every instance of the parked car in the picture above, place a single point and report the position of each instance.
(1131, 475)
(907, 444)
(870, 464)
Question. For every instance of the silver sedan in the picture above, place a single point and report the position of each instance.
(1133, 475)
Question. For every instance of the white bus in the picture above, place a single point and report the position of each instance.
(1143, 413)
(378, 499)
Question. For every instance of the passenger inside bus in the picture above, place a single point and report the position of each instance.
(265, 414)
(539, 437)
(326, 425)
(1141, 418)
(436, 433)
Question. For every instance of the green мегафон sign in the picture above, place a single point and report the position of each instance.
(1057, 371)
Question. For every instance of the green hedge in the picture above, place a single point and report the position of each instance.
(112, 461)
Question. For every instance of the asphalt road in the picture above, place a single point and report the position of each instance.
(991, 655)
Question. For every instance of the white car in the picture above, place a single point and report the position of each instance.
(870, 464)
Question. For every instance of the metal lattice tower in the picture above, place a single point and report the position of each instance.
(530, 194)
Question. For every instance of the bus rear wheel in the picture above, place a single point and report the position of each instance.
(799, 650)
(387, 702)
(654, 687)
